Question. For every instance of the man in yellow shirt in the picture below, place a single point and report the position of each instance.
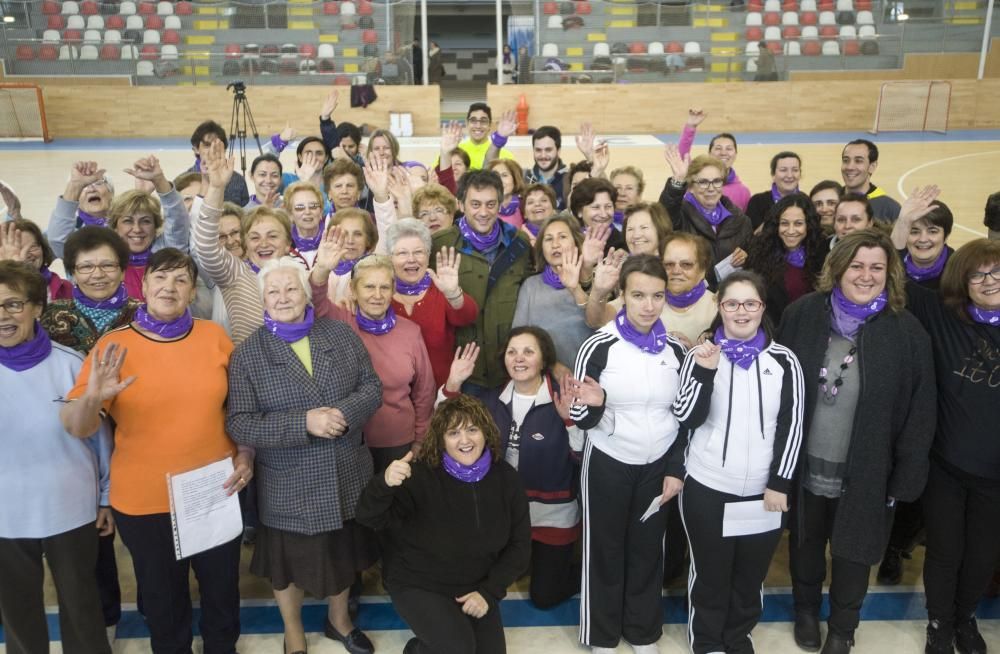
(481, 146)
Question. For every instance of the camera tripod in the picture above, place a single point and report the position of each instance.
(241, 121)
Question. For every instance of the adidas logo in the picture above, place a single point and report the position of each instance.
(663, 363)
(767, 371)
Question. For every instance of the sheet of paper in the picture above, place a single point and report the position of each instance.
(746, 518)
(725, 268)
(203, 515)
(654, 506)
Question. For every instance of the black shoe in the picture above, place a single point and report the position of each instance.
(940, 639)
(807, 632)
(249, 535)
(968, 640)
(284, 646)
(837, 645)
(412, 646)
(890, 572)
(355, 642)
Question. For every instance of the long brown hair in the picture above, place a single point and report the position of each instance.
(840, 258)
(453, 413)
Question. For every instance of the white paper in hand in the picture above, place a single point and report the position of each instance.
(654, 506)
(747, 518)
(203, 515)
(725, 268)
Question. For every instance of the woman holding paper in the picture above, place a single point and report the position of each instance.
(300, 390)
(163, 379)
(869, 421)
(745, 410)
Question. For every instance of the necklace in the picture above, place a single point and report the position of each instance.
(828, 389)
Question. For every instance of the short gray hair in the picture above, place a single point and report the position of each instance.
(285, 263)
(408, 227)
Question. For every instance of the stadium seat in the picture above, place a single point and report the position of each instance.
(792, 49)
(790, 32)
(289, 65)
(654, 48)
(91, 36)
(48, 53)
(369, 36)
(550, 8)
(342, 80)
(55, 23)
(144, 69)
(848, 32)
(674, 48)
(865, 18)
(754, 19)
(110, 52)
(72, 35)
(752, 48)
(154, 23)
(67, 52)
(115, 23)
(50, 8)
(845, 5)
(307, 67)
(365, 8)
(692, 48)
(550, 50)
(75, 22)
(331, 9)
(126, 8)
(130, 52)
(88, 53)
(772, 5)
(348, 8)
(866, 32)
(583, 8)
(852, 48)
(808, 18)
(555, 22)
(829, 32)
(772, 19)
(289, 49)
(184, 8)
(233, 51)
(772, 34)
(70, 7)
(789, 18)
(172, 37)
(827, 18)
(790, 5)
(95, 22)
(810, 48)
(831, 48)
(307, 50)
(754, 34)
(172, 23)
(325, 51)
(808, 5)
(113, 36)
(149, 52)
(51, 36)
(774, 46)
(602, 50)
(164, 8)
(88, 8)
(134, 22)
(637, 47)
(752, 64)
(169, 52)
(147, 8)
(845, 17)
(150, 37)
(863, 5)
(24, 53)
(325, 67)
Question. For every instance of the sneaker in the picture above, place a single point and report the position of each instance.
(890, 572)
(652, 648)
(940, 639)
(968, 640)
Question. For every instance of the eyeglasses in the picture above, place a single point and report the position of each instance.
(13, 307)
(89, 268)
(732, 306)
(705, 184)
(96, 185)
(404, 255)
(980, 277)
(479, 121)
(436, 211)
(311, 207)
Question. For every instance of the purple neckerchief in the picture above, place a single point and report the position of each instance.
(290, 332)
(551, 278)
(254, 267)
(687, 298)
(918, 274)
(139, 258)
(776, 194)
(731, 176)
(308, 243)
(479, 242)
(378, 327)
(741, 353)
(197, 163)
(989, 317)
(29, 353)
(45, 273)
(511, 207)
(91, 220)
(796, 257)
(533, 228)
(468, 474)
(116, 301)
(618, 220)
(653, 341)
(166, 328)
(715, 216)
(345, 266)
(848, 316)
(414, 289)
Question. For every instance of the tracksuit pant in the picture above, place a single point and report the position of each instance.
(622, 557)
(727, 574)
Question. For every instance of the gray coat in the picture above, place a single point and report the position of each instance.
(894, 420)
(305, 484)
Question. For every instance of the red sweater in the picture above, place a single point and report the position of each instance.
(438, 321)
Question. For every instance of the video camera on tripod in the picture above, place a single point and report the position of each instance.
(241, 121)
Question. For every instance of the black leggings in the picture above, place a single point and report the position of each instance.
(554, 578)
(437, 620)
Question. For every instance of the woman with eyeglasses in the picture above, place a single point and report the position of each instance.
(435, 207)
(741, 397)
(22, 240)
(869, 422)
(694, 199)
(304, 205)
(962, 500)
(84, 203)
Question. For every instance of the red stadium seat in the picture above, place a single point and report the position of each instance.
(72, 35)
(811, 48)
(851, 48)
(808, 18)
(754, 34)
(637, 47)
(307, 50)
(342, 80)
(826, 5)
(48, 53)
(115, 23)
(25, 53)
(89, 8)
(369, 36)
(829, 32)
(49, 8)
(772, 18)
(550, 8)
(149, 52)
(233, 51)
(111, 52)
(583, 8)
(790, 5)
(331, 8)
(863, 5)
(56, 23)
(791, 32)
(147, 9)
(183, 8)
(171, 37)
(365, 8)
(755, 6)
(154, 23)
(674, 47)
(775, 46)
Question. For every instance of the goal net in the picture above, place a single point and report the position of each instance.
(913, 107)
(22, 113)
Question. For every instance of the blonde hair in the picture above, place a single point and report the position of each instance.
(703, 161)
(292, 189)
(434, 193)
(131, 202)
(368, 264)
(258, 214)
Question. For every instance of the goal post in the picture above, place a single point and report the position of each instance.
(22, 113)
(915, 106)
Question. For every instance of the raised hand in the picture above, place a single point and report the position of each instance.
(707, 354)
(678, 163)
(607, 272)
(148, 170)
(218, 166)
(271, 198)
(445, 276)
(310, 164)
(105, 380)
(330, 103)
(593, 244)
(602, 157)
(12, 246)
(401, 191)
(288, 133)
(585, 141)
(331, 249)
(569, 270)
(919, 204)
(696, 115)
(399, 471)
(507, 125)
(462, 366)
(451, 136)
(10, 200)
(473, 604)
(85, 173)
(377, 178)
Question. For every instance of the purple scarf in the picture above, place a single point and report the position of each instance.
(468, 474)
(796, 257)
(511, 207)
(551, 278)
(29, 353)
(116, 301)
(414, 289)
(618, 220)
(46, 274)
(480, 242)
(140, 259)
(90, 220)
(290, 332)
(848, 316)
(918, 274)
(345, 266)
(308, 243)
(731, 177)
(254, 267)
(652, 342)
(776, 194)
(376, 327)
(687, 298)
(715, 216)
(167, 329)
(989, 317)
(533, 228)
(741, 353)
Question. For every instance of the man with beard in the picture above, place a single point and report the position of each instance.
(549, 168)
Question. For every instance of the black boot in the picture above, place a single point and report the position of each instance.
(890, 572)
(807, 632)
(837, 644)
(940, 638)
(968, 640)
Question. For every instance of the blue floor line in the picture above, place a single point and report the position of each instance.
(381, 616)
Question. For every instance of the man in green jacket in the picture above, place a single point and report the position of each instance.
(496, 258)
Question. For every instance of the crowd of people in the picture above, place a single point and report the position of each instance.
(470, 370)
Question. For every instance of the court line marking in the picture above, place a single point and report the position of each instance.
(900, 185)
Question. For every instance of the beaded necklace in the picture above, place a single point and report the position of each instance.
(828, 389)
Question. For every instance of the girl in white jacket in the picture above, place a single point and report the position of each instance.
(741, 403)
